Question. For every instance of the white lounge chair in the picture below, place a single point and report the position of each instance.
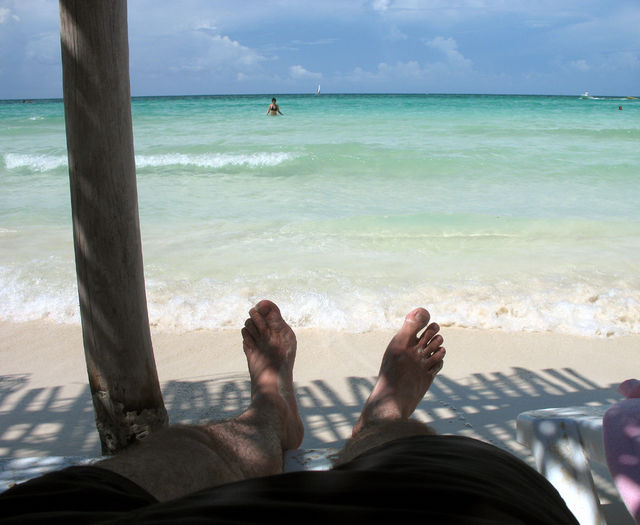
(563, 441)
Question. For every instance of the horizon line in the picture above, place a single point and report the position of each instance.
(284, 94)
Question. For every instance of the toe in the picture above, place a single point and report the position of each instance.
(248, 342)
(415, 321)
(257, 318)
(265, 307)
(250, 329)
(435, 361)
(430, 339)
(270, 312)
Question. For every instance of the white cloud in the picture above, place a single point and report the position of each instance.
(299, 72)
(396, 35)
(202, 45)
(607, 63)
(449, 48)
(385, 73)
(417, 76)
(581, 65)
(6, 15)
(206, 50)
(232, 50)
(207, 27)
(380, 5)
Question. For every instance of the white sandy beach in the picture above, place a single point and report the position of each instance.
(488, 379)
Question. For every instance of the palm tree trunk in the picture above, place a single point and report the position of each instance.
(106, 229)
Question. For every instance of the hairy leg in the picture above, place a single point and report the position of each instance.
(409, 365)
(183, 459)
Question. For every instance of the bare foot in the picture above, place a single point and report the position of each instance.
(408, 368)
(270, 346)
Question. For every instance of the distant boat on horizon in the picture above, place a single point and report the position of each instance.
(318, 90)
(587, 96)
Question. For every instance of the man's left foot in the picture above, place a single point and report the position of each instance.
(409, 366)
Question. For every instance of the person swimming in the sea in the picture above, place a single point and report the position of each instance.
(274, 109)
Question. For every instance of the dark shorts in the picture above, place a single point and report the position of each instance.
(434, 479)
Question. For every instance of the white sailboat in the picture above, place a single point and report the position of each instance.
(318, 90)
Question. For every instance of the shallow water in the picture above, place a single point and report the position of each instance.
(509, 212)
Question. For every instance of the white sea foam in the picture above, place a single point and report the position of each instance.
(36, 163)
(211, 160)
(34, 294)
(44, 163)
(221, 305)
(32, 297)
(611, 314)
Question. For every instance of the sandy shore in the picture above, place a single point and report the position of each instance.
(489, 377)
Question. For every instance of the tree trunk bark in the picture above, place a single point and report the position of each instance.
(106, 229)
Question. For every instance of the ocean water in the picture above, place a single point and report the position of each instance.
(520, 213)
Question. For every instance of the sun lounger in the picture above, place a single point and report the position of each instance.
(563, 441)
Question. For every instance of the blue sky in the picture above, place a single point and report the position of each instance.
(347, 46)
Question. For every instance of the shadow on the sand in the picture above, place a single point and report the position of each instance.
(50, 422)
(46, 422)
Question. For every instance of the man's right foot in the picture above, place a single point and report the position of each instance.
(270, 346)
(408, 368)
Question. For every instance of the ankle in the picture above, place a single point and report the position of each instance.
(374, 433)
(381, 409)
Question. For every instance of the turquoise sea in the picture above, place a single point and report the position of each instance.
(520, 213)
